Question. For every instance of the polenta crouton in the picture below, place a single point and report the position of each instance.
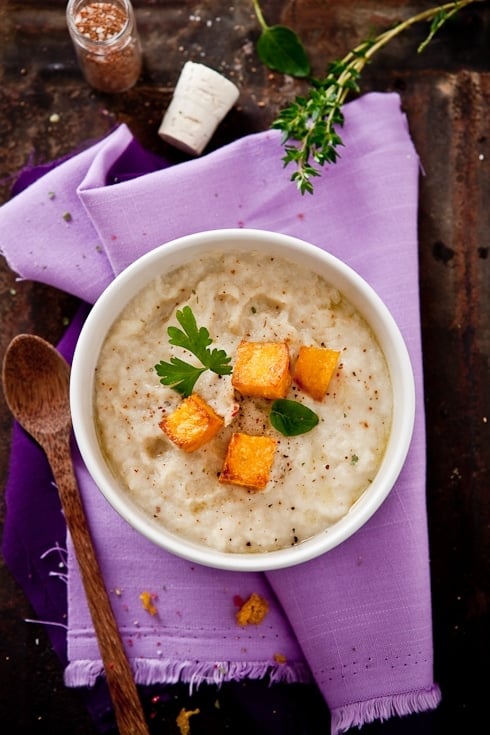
(192, 424)
(253, 610)
(248, 461)
(262, 369)
(147, 600)
(314, 369)
(183, 718)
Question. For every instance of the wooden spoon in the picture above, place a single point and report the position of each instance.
(36, 385)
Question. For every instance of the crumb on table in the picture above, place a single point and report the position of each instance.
(183, 720)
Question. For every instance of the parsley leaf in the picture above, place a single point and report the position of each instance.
(180, 375)
(292, 418)
(197, 341)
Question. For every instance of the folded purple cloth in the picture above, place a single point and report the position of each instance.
(358, 619)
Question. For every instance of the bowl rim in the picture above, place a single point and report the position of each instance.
(356, 289)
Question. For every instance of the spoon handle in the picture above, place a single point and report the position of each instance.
(122, 687)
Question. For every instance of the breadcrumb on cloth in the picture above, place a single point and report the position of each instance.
(253, 610)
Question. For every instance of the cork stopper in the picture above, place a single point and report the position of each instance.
(201, 99)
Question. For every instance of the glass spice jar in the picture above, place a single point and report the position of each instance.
(106, 42)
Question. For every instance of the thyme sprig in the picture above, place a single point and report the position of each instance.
(310, 124)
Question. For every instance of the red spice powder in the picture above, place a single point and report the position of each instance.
(100, 21)
(107, 46)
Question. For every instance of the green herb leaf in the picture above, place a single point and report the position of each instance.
(292, 418)
(280, 49)
(181, 375)
(197, 341)
(441, 17)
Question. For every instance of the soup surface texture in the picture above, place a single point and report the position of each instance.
(315, 477)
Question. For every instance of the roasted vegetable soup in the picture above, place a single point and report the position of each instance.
(307, 481)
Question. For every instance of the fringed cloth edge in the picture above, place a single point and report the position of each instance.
(358, 714)
(84, 673)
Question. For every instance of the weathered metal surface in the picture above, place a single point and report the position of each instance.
(446, 94)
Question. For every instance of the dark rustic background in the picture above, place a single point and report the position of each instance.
(46, 110)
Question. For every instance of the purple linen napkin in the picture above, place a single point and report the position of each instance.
(359, 618)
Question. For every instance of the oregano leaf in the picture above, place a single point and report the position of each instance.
(292, 418)
(280, 49)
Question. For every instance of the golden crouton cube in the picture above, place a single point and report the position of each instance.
(262, 369)
(253, 610)
(248, 460)
(192, 424)
(314, 369)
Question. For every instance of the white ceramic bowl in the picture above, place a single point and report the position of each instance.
(166, 258)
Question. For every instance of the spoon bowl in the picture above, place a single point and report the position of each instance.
(36, 382)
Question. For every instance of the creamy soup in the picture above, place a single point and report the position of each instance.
(315, 477)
